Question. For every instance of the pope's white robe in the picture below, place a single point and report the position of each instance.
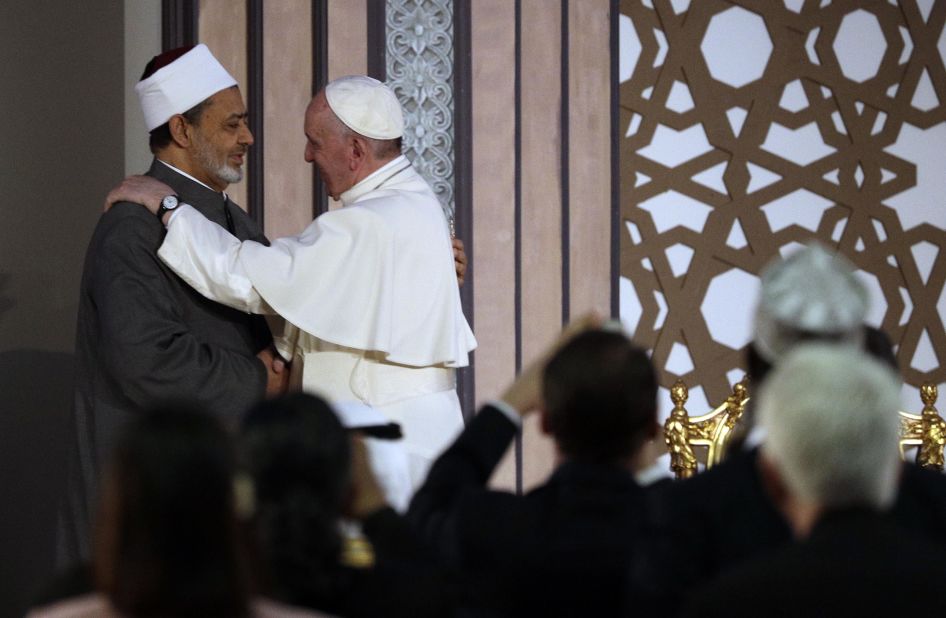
(369, 294)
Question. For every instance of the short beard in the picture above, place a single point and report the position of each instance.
(215, 167)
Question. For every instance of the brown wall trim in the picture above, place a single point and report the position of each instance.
(377, 40)
(463, 180)
(319, 79)
(614, 13)
(179, 23)
(566, 229)
(517, 223)
(254, 95)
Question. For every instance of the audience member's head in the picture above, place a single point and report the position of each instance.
(167, 540)
(813, 295)
(600, 395)
(830, 412)
(298, 454)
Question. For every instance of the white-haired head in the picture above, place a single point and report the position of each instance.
(830, 413)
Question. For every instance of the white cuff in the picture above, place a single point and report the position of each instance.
(508, 411)
(174, 214)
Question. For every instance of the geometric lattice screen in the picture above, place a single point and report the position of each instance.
(749, 127)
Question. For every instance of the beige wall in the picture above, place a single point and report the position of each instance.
(553, 154)
(288, 55)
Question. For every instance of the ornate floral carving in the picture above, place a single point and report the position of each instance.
(420, 70)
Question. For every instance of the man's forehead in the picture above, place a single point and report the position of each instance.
(227, 102)
(317, 105)
(317, 114)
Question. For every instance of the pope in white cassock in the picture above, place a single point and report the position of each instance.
(368, 291)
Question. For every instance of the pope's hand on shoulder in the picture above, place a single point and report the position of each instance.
(139, 190)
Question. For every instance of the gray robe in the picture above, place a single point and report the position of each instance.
(145, 336)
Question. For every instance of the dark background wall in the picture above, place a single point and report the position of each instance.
(61, 148)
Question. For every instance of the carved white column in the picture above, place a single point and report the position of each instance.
(420, 70)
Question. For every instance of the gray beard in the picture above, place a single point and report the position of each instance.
(215, 167)
(228, 174)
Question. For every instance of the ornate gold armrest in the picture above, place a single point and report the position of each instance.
(926, 432)
(712, 430)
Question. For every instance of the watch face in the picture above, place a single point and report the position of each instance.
(169, 203)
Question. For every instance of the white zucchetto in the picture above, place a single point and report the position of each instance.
(366, 106)
(182, 84)
(811, 293)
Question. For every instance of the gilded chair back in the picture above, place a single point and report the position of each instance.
(924, 432)
(710, 433)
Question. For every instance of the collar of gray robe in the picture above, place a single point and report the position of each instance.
(208, 202)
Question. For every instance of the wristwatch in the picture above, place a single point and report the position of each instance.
(168, 204)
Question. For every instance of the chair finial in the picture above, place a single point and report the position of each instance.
(676, 434)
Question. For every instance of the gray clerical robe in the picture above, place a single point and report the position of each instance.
(145, 336)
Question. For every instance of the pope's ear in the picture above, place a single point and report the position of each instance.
(359, 151)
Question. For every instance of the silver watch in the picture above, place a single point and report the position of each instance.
(168, 204)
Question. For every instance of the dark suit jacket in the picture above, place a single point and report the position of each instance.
(722, 518)
(855, 563)
(143, 335)
(564, 549)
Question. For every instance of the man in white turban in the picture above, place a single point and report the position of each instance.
(143, 335)
(368, 291)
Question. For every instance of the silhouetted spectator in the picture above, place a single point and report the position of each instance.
(306, 483)
(167, 540)
(567, 547)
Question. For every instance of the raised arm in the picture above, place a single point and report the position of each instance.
(453, 504)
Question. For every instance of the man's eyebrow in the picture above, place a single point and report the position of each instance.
(238, 116)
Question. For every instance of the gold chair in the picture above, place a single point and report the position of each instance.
(925, 432)
(710, 432)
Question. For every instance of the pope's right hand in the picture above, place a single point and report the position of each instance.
(139, 190)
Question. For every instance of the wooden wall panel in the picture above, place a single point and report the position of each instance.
(287, 60)
(223, 30)
(348, 37)
(541, 206)
(493, 94)
(347, 44)
(589, 163)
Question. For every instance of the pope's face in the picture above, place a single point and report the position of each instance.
(328, 147)
(220, 140)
